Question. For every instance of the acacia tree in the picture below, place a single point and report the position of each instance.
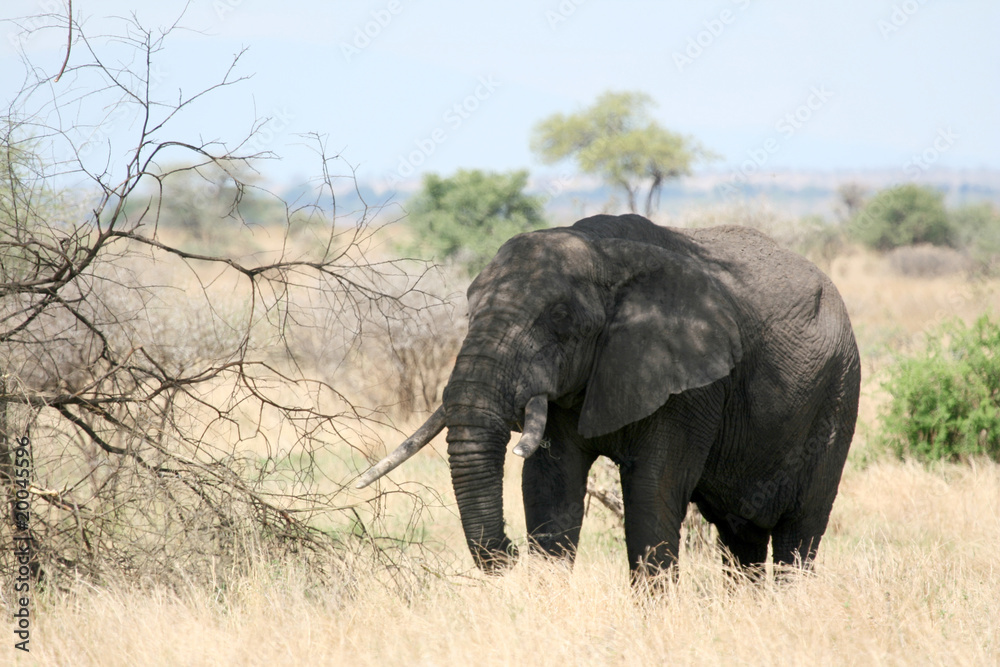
(618, 140)
(147, 403)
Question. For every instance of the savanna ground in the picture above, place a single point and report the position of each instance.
(907, 573)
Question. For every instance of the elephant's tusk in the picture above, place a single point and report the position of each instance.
(410, 446)
(535, 414)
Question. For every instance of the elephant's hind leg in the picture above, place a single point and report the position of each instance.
(744, 550)
(795, 543)
(797, 535)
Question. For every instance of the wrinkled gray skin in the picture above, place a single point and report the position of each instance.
(711, 365)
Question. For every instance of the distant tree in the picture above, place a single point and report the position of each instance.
(199, 199)
(616, 139)
(467, 217)
(903, 215)
(973, 222)
(852, 198)
(977, 233)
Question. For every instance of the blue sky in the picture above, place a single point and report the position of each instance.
(406, 86)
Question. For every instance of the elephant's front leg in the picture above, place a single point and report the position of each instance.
(554, 485)
(661, 464)
(653, 516)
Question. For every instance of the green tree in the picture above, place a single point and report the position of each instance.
(903, 215)
(27, 205)
(467, 217)
(616, 139)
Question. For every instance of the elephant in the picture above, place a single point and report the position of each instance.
(711, 365)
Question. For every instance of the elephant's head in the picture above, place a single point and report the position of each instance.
(607, 327)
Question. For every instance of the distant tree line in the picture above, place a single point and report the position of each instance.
(910, 214)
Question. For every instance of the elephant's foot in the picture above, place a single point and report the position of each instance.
(494, 557)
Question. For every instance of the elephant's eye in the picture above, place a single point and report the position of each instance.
(559, 316)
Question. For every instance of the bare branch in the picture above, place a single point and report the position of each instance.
(182, 394)
(69, 40)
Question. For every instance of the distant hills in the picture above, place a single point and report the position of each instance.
(793, 192)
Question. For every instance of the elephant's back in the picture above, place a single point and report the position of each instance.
(774, 282)
(783, 298)
(791, 313)
(752, 257)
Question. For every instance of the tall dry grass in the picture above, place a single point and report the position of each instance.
(907, 573)
(892, 311)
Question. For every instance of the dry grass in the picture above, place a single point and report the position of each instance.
(907, 572)
(907, 575)
(891, 312)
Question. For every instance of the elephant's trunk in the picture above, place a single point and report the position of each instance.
(479, 409)
(476, 456)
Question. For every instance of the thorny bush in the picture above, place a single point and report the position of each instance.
(177, 432)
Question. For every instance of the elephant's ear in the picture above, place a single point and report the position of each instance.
(672, 328)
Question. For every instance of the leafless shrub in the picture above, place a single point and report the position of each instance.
(176, 429)
(928, 261)
(416, 353)
(398, 358)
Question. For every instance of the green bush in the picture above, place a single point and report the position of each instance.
(903, 215)
(464, 219)
(946, 402)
